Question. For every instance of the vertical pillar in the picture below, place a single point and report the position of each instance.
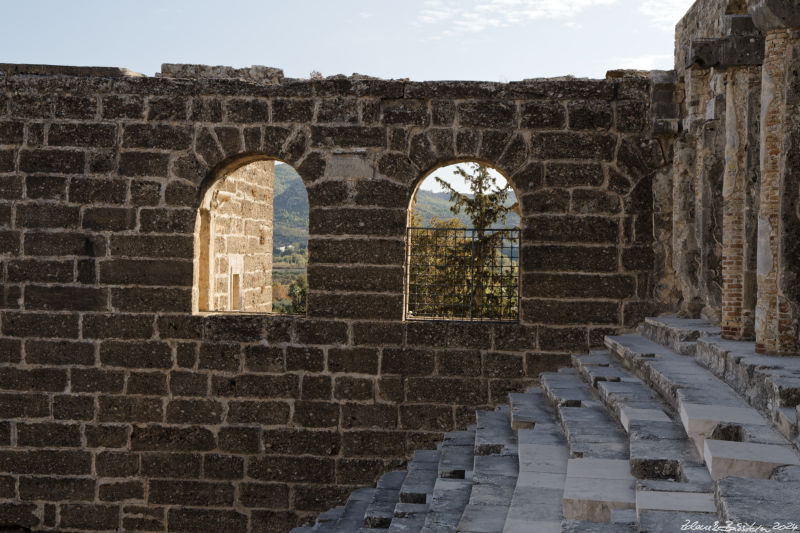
(739, 201)
(685, 246)
(778, 299)
(709, 171)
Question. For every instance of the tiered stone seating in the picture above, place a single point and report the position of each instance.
(648, 435)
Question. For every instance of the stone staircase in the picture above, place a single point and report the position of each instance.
(648, 435)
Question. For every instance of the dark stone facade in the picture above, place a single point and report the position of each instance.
(121, 409)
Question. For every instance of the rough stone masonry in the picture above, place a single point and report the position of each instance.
(122, 408)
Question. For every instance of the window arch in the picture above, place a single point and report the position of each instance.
(462, 246)
(239, 240)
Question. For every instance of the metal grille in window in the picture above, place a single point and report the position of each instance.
(463, 274)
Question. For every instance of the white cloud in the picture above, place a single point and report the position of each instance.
(646, 62)
(665, 13)
(479, 15)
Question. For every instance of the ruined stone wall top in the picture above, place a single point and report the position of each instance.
(704, 20)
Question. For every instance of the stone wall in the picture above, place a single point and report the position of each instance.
(122, 409)
(233, 241)
(717, 83)
(735, 247)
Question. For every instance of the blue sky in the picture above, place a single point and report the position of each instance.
(491, 40)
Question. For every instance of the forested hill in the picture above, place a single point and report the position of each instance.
(437, 204)
(291, 208)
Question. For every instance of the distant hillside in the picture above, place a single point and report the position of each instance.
(437, 204)
(291, 208)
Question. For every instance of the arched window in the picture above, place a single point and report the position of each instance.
(463, 237)
(251, 241)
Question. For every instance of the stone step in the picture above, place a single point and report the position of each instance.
(457, 452)
(679, 334)
(759, 501)
(543, 455)
(421, 477)
(770, 384)
(661, 453)
(564, 388)
(589, 429)
(595, 487)
(579, 526)
(494, 478)
(408, 518)
(746, 459)
(493, 434)
(327, 520)
(708, 409)
(592, 432)
(380, 511)
(659, 447)
(663, 506)
(352, 518)
(527, 408)
(449, 498)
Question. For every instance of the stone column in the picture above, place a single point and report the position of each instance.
(685, 248)
(778, 298)
(708, 195)
(740, 202)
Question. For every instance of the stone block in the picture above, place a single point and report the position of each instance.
(124, 490)
(52, 160)
(294, 469)
(59, 352)
(265, 413)
(45, 187)
(65, 298)
(106, 436)
(153, 164)
(405, 111)
(259, 386)
(166, 438)
(125, 409)
(83, 134)
(46, 462)
(348, 137)
(746, 459)
(200, 520)
(89, 516)
(593, 499)
(47, 216)
(690, 502)
(557, 145)
(269, 495)
(543, 115)
(145, 354)
(290, 441)
(48, 435)
(486, 114)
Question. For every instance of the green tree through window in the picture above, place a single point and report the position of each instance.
(468, 273)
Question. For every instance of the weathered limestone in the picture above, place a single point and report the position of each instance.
(709, 411)
(457, 455)
(746, 459)
(778, 305)
(233, 242)
(557, 481)
(543, 456)
(740, 202)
